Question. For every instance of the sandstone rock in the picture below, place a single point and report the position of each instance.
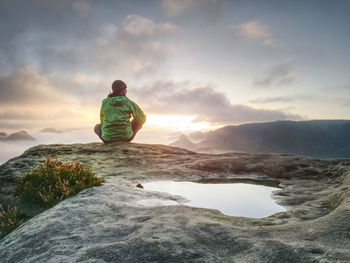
(108, 224)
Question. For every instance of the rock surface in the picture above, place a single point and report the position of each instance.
(106, 224)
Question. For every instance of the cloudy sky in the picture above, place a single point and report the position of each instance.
(190, 64)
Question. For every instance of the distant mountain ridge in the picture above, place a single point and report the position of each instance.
(183, 142)
(317, 138)
(50, 130)
(16, 136)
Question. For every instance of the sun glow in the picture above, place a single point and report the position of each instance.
(177, 122)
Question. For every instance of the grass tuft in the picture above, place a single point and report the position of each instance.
(10, 219)
(54, 181)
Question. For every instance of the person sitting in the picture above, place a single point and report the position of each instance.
(116, 112)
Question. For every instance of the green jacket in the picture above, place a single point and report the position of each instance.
(115, 117)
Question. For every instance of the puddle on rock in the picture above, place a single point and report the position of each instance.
(234, 199)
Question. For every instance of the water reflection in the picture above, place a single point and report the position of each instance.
(235, 199)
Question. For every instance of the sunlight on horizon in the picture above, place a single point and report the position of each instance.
(177, 122)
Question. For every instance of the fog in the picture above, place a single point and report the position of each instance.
(10, 149)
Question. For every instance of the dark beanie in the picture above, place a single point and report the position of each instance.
(118, 86)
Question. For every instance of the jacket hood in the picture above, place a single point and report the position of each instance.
(118, 100)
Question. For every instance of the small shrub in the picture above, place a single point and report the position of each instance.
(54, 181)
(10, 219)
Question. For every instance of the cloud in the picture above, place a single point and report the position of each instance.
(62, 119)
(83, 87)
(204, 102)
(59, 35)
(29, 100)
(256, 30)
(253, 30)
(19, 115)
(81, 6)
(278, 75)
(273, 99)
(344, 87)
(271, 43)
(136, 45)
(44, 34)
(136, 25)
(108, 51)
(27, 87)
(283, 99)
(177, 7)
(16, 125)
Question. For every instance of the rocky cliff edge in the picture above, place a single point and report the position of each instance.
(107, 224)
